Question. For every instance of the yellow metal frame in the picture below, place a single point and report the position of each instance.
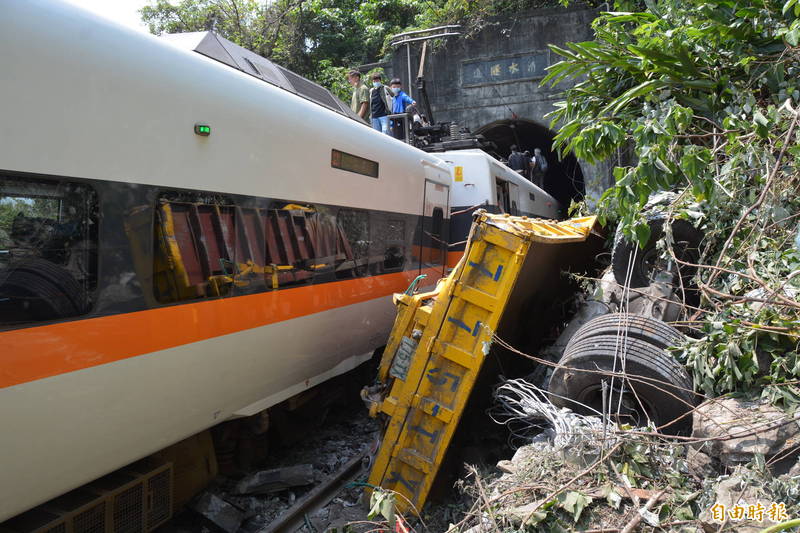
(438, 345)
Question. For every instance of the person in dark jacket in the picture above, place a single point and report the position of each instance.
(517, 160)
(538, 167)
(528, 171)
(380, 104)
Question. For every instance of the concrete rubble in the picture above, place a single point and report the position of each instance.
(764, 430)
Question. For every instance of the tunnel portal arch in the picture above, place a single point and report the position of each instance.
(564, 179)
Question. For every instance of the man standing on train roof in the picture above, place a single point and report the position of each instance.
(538, 167)
(517, 160)
(380, 104)
(400, 103)
(359, 103)
(528, 171)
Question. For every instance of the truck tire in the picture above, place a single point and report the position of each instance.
(656, 332)
(687, 248)
(661, 384)
(47, 291)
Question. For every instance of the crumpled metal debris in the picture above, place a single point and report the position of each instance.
(221, 513)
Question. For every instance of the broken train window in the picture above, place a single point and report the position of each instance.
(355, 225)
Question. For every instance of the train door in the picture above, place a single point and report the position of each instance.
(513, 199)
(503, 199)
(433, 239)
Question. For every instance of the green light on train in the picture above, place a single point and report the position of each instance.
(202, 129)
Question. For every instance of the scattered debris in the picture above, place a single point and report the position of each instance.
(729, 493)
(221, 513)
(277, 479)
(346, 434)
(570, 477)
(701, 465)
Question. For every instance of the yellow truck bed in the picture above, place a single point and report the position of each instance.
(440, 340)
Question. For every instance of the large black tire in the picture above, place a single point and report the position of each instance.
(640, 327)
(45, 290)
(687, 239)
(659, 382)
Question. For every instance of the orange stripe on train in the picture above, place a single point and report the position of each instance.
(39, 352)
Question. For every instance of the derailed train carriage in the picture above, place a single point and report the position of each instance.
(181, 243)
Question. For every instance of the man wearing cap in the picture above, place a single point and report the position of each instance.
(380, 104)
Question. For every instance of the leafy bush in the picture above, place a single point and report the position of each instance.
(704, 94)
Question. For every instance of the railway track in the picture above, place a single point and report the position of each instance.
(297, 515)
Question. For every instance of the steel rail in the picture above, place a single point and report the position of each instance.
(317, 498)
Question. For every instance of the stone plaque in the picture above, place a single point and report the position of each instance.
(499, 70)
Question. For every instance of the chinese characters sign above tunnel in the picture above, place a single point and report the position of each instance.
(499, 70)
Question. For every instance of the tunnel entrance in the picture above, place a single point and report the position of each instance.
(564, 178)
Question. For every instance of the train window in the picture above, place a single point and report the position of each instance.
(207, 245)
(394, 245)
(292, 231)
(195, 239)
(354, 163)
(355, 225)
(48, 249)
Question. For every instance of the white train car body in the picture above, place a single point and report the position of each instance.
(480, 181)
(99, 155)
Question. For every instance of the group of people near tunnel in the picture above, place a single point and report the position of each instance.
(533, 167)
(375, 104)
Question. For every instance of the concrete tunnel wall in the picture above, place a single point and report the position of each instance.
(490, 81)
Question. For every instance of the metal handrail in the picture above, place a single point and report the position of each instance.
(424, 38)
(427, 30)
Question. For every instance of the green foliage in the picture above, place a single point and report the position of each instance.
(703, 93)
(335, 79)
(675, 82)
(322, 39)
(735, 356)
(473, 15)
(382, 504)
(574, 503)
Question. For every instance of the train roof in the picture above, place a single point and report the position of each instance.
(126, 105)
(213, 45)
